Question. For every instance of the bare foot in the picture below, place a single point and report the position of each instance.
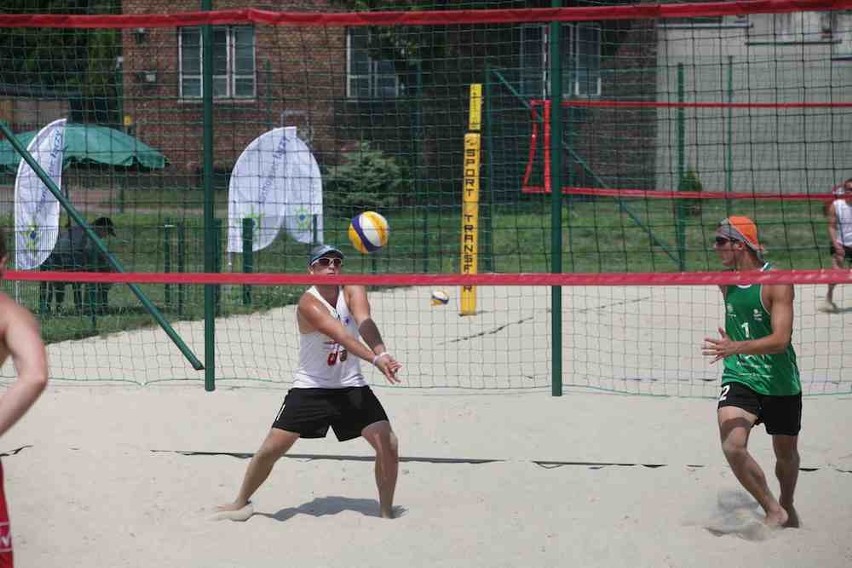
(387, 513)
(234, 512)
(776, 519)
(792, 518)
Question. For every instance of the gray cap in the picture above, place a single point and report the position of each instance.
(320, 251)
(106, 223)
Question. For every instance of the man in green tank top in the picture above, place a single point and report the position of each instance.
(760, 380)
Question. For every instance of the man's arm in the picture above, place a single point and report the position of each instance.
(780, 300)
(23, 341)
(317, 317)
(359, 305)
(832, 227)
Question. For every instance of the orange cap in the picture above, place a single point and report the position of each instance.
(743, 229)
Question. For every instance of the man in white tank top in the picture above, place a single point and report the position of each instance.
(329, 390)
(839, 214)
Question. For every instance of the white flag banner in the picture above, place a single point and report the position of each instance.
(36, 208)
(303, 192)
(276, 182)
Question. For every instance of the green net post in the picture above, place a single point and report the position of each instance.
(167, 259)
(210, 233)
(556, 199)
(680, 213)
(729, 147)
(217, 266)
(180, 228)
(487, 156)
(248, 258)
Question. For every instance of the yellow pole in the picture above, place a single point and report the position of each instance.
(470, 199)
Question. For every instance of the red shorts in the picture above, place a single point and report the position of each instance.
(5, 531)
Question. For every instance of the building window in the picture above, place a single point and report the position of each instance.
(802, 27)
(233, 62)
(366, 77)
(581, 60)
(706, 22)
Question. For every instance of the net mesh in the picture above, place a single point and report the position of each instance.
(671, 118)
(619, 335)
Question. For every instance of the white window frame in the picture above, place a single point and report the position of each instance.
(374, 76)
(570, 38)
(230, 77)
(798, 28)
(709, 22)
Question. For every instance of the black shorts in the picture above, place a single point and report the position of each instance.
(846, 250)
(309, 412)
(781, 415)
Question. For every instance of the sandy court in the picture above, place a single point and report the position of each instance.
(495, 471)
(124, 476)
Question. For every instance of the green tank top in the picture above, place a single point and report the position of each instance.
(746, 318)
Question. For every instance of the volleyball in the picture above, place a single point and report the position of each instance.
(440, 298)
(368, 232)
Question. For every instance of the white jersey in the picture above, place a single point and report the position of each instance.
(324, 363)
(843, 213)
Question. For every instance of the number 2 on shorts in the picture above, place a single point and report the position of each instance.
(724, 394)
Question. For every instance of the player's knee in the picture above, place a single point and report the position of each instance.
(272, 450)
(733, 449)
(393, 444)
(386, 443)
(787, 455)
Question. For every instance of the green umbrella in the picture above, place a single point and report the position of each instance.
(91, 144)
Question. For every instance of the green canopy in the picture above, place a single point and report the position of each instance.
(91, 144)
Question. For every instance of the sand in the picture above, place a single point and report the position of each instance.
(496, 471)
(127, 476)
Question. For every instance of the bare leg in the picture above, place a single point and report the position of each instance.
(829, 305)
(44, 293)
(384, 441)
(787, 472)
(59, 292)
(734, 427)
(829, 294)
(77, 290)
(276, 444)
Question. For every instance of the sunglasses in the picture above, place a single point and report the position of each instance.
(329, 261)
(720, 241)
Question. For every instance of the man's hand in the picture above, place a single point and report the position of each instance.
(719, 348)
(389, 367)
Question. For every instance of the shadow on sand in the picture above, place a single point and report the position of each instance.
(331, 505)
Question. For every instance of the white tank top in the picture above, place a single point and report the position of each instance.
(843, 212)
(324, 363)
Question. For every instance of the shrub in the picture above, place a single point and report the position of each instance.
(691, 182)
(368, 179)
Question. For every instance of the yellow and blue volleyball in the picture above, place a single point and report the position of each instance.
(368, 232)
(440, 298)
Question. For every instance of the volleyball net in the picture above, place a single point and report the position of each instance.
(636, 334)
(222, 144)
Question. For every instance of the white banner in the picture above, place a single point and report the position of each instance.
(36, 208)
(276, 181)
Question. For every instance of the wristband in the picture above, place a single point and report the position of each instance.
(379, 356)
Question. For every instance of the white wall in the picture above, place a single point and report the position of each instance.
(774, 59)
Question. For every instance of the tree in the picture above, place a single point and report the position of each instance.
(64, 61)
